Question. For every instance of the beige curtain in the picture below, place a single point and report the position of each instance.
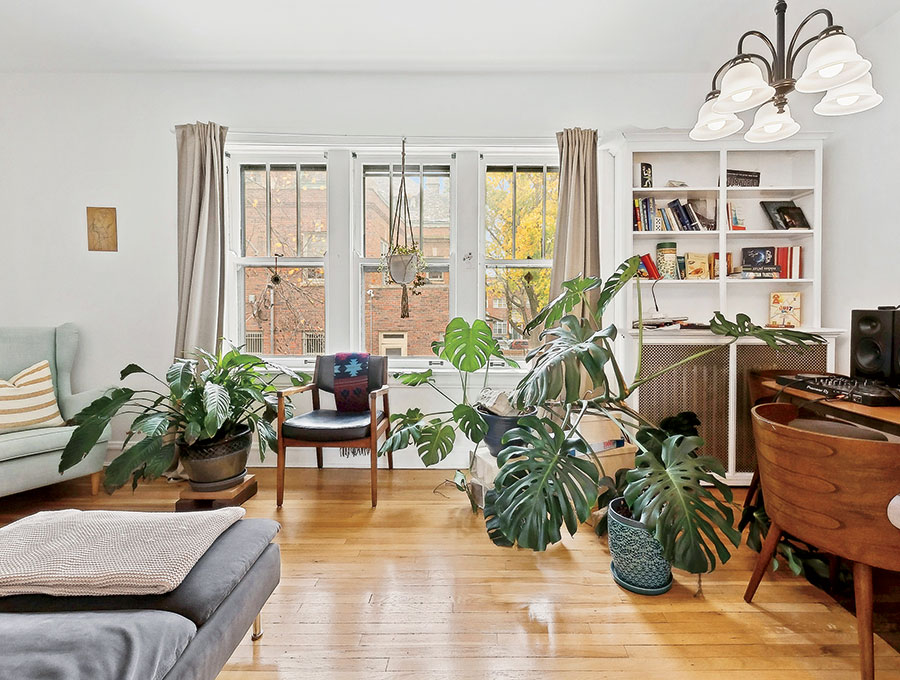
(201, 236)
(577, 249)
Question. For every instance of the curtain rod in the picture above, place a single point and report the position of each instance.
(310, 135)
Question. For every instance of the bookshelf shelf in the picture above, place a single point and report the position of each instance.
(769, 233)
(715, 387)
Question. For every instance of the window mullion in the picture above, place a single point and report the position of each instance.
(297, 169)
(268, 210)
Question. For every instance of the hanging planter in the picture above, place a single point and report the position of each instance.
(404, 262)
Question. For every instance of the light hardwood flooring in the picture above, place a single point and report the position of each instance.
(414, 590)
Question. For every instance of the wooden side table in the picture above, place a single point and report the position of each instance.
(211, 500)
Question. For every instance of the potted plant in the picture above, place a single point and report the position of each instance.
(404, 263)
(469, 349)
(553, 478)
(207, 413)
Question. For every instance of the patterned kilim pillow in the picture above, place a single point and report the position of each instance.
(27, 400)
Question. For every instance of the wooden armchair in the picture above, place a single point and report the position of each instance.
(832, 492)
(328, 427)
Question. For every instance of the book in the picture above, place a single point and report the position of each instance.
(735, 219)
(784, 309)
(741, 178)
(759, 261)
(692, 216)
(713, 265)
(682, 267)
(696, 265)
(676, 225)
(637, 215)
(793, 217)
(771, 210)
(650, 266)
(705, 211)
(681, 215)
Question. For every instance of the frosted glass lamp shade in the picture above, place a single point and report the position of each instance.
(711, 125)
(743, 87)
(853, 97)
(833, 61)
(771, 126)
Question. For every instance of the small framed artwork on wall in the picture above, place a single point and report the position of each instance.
(101, 229)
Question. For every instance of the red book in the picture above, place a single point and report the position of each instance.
(650, 266)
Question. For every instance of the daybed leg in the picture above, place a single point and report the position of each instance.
(257, 628)
(95, 483)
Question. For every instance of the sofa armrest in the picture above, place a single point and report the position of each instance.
(71, 404)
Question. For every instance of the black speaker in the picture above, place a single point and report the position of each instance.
(875, 344)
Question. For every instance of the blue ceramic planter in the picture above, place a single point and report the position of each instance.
(499, 426)
(637, 563)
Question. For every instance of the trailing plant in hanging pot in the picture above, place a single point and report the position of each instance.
(403, 261)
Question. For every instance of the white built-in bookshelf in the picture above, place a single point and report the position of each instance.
(789, 170)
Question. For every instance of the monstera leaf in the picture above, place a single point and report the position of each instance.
(616, 282)
(557, 370)
(666, 492)
(405, 428)
(572, 294)
(775, 338)
(414, 378)
(470, 421)
(468, 348)
(435, 441)
(542, 484)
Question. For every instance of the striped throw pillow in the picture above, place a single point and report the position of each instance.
(27, 400)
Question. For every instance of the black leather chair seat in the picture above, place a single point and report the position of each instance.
(326, 425)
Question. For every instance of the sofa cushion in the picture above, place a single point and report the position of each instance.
(204, 588)
(28, 400)
(33, 442)
(124, 645)
(326, 425)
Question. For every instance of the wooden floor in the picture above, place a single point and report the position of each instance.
(415, 590)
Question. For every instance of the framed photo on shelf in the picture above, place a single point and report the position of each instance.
(771, 209)
(793, 217)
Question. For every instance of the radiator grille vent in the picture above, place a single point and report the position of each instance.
(701, 386)
(764, 358)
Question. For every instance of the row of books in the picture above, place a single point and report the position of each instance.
(691, 267)
(770, 262)
(674, 216)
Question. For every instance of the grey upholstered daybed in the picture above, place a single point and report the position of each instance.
(187, 634)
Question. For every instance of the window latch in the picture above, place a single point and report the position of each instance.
(433, 362)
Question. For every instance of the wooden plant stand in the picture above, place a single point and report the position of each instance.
(211, 500)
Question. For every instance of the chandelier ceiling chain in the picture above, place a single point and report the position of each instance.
(833, 66)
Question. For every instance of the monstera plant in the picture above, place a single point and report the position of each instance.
(468, 348)
(550, 477)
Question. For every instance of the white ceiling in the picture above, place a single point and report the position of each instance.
(395, 35)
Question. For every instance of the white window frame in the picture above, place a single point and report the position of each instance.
(343, 261)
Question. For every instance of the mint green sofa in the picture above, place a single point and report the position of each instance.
(30, 459)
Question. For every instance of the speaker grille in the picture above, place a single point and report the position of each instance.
(701, 387)
(764, 358)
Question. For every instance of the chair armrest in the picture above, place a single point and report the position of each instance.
(71, 404)
(290, 391)
(374, 394)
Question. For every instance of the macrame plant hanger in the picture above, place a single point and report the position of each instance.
(403, 259)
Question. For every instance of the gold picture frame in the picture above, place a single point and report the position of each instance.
(101, 229)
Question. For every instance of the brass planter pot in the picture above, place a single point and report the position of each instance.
(212, 466)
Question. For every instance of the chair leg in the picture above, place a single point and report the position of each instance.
(95, 483)
(257, 628)
(834, 571)
(765, 558)
(282, 454)
(862, 587)
(752, 489)
(319, 457)
(390, 457)
(374, 450)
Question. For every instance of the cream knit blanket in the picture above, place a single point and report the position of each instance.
(99, 552)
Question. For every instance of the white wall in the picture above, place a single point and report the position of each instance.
(69, 141)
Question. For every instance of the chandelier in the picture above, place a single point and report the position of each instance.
(833, 67)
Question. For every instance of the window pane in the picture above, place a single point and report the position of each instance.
(283, 180)
(255, 206)
(529, 233)
(429, 312)
(428, 189)
(513, 297)
(436, 214)
(286, 316)
(498, 198)
(313, 211)
(552, 209)
(377, 217)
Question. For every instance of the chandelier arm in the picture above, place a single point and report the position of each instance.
(793, 51)
(762, 36)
